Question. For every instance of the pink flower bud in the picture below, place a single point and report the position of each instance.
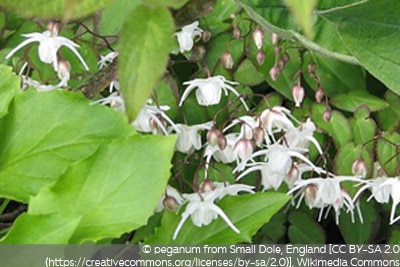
(274, 73)
(207, 186)
(260, 57)
(171, 204)
(326, 116)
(258, 38)
(243, 148)
(258, 135)
(319, 95)
(280, 64)
(292, 175)
(64, 69)
(54, 28)
(298, 94)
(286, 58)
(275, 39)
(213, 135)
(206, 36)
(237, 33)
(359, 167)
(227, 60)
(310, 193)
(222, 142)
(277, 50)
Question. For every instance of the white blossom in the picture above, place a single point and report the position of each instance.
(209, 90)
(169, 192)
(202, 209)
(188, 137)
(187, 34)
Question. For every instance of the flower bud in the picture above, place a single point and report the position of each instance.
(227, 60)
(326, 116)
(274, 73)
(206, 36)
(319, 95)
(260, 57)
(285, 57)
(280, 64)
(298, 94)
(310, 193)
(171, 204)
(198, 53)
(359, 167)
(54, 28)
(237, 33)
(243, 148)
(64, 69)
(221, 142)
(277, 50)
(258, 38)
(207, 186)
(292, 176)
(274, 39)
(212, 136)
(258, 135)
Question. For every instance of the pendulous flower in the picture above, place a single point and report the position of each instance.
(187, 34)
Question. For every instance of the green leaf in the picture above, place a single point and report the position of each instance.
(55, 228)
(55, 128)
(370, 32)
(10, 86)
(394, 237)
(357, 232)
(113, 191)
(338, 127)
(352, 100)
(304, 230)
(169, 3)
(113, 17)
(65, 9)
(247, 212)
(146, 39)
(364, 128)
(247, 74)
(303, 14)
(389, 118)
(388, 152)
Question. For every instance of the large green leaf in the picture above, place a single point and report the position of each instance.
(65, 9)
(389, 118)
(247, 212)
(370, 31)
(113, 191)
(388, 152)
(352, 100)
(304, 229)
(357, 232)
(44, 132)
(54, 228)
(10, 86)
(146, 39)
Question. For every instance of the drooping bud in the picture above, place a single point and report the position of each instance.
(227, 60)
(274, 73)
(319, 95)
(280, 64)
(292, 176)
(359, 167)
(64, 70)
(285, 57)
(298, 94)
(206, 36)
(310, 193)
(212, 136)
(54, 28)
(258, 38)
(243, 148)
(221, 142)
(207, 186)
(258, 135)
(171, 204)
(237, 33)
(326, 116)
(260, 57)
(198, 53)
(275, 39)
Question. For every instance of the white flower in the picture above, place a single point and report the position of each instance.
(226, 155)
(247, 127)
(169, 192)
(115, 101)
(151, 119)
(188, 137)
(209, 90)
(278, 161)
(301, 136)
(202, 209)
(186, 36)
(275, 120)
(326, 193)
(49, 43)
(107, 59)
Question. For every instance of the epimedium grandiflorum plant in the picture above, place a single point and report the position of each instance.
(199, 121)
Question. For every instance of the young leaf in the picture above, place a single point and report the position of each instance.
(55, 228)
(113, 191)
(247, 212)
(55, 128)
(370, 32)
(146, 39)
